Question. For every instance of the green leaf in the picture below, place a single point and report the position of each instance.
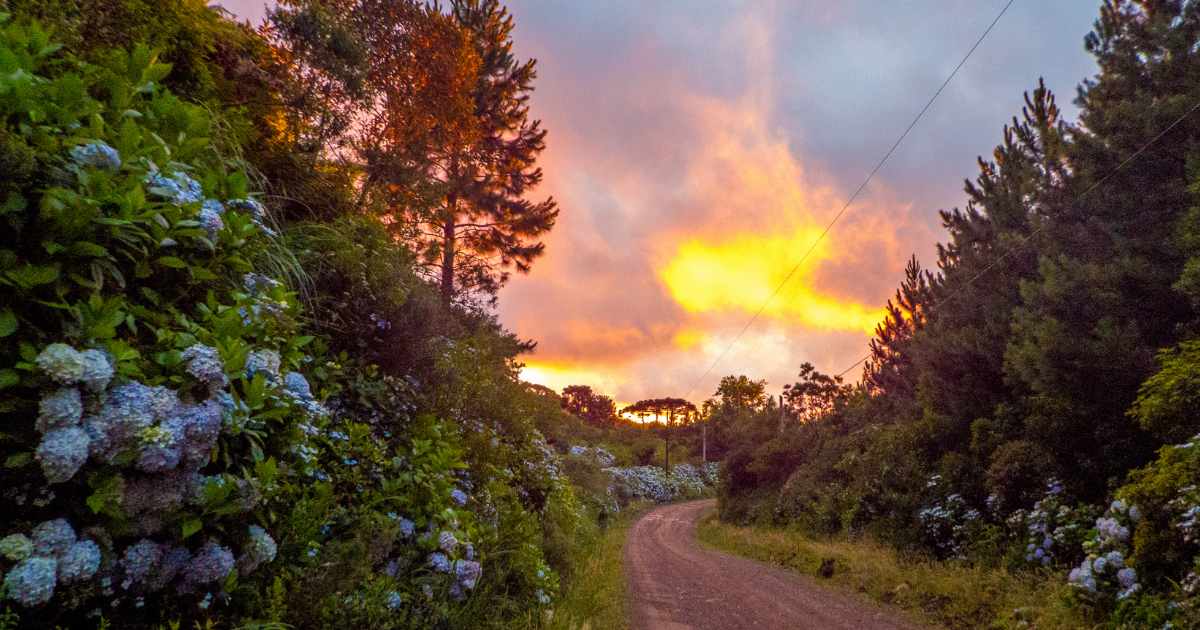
(9, 378)
(18, 460)
(8, 322)
(190, 527)
(171, 261)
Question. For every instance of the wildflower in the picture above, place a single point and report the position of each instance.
(97, 370)
(62, 453)
(447, 542)
(79, 563)
(32, 581)
(16, 547)
(458, 497)
(98, 155)
(178, 189)
(62, 363)
(59, 409)
(204, 363)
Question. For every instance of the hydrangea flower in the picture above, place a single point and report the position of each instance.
(174, 562)
(61, 363)
(16, 547)
(210, 218)
(160, 494)
(297, 386)
(257, 283)
(467, 573)
(439, 562)
(32, 581)
(140, 561)
(260, 548)
(265, 361)
(98, 155)
(394, 600)
(199, 427)
(458, 497)
(79, 563)
(62, 453)
(179, 189)
(159, 449)
(97, 370)
(53, 538)
(258, 213)
(59, 409)
(447, 542)
(204, 363)
(542, 597)
(407, 528)
(126, 411)
(210, 564)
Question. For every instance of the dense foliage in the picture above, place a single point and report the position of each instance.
(231, 392)
(1040, 384)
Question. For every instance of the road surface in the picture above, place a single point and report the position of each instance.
(675, 584)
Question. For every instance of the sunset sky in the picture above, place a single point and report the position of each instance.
(697, 149)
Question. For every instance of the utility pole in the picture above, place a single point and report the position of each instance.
(704, 442)
(782, 414)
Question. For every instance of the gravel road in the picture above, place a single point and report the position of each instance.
(675, 584)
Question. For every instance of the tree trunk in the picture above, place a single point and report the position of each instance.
(448, 245)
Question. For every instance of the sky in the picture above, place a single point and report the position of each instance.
(697, 148)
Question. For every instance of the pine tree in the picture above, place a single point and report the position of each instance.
(889, 369)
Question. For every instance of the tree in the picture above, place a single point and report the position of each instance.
(483, 225)
(890, 368)
(740, 393)
(815, 395)
(677, 412)
(588, 405)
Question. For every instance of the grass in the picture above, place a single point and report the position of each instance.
(597, 596)
(949, 594)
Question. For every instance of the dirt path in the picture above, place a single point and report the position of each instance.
(675, 584)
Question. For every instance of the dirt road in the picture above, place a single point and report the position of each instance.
(676, 584)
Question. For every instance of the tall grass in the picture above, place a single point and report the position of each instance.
(597, 595)
(948, 594)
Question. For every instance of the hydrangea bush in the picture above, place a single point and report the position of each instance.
(1054, 530)
(137, 443)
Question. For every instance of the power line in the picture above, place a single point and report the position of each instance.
(849, 201)
(1025, 239)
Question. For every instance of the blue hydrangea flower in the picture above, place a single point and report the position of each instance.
(1127, 577)
(458, 497)
(53, 538)
(32, 581)
(210, 564)
(140, 561)
(62, 453)
(258, 213)
(210, 218)
(61, 363)
(79, 563)
(467, 573)
(16, 547)
(179, 189)
(199, 426)
(447, 542)
(126, 411)
(439, 562)
(256, 283)
(297, 386)
(260, 548)
(542, 597)
(97, 370)
(204, 363)
(59, 409)
(469, 552)
(407, 528)
(160, 494)
(394, 600)
(160, 449)
(174, 562)
(265, 361)
(98, 155)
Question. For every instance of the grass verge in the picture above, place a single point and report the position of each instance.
(949, 594)
(597, 596)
